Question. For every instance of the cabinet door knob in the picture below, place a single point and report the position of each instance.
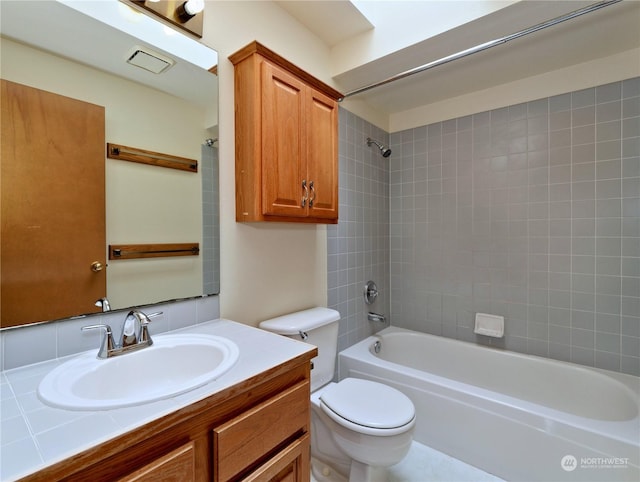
(96, 266)
(313, 191)
(306, 192)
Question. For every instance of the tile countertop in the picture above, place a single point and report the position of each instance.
(34, 435)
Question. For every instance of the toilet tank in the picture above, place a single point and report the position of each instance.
(316, 326)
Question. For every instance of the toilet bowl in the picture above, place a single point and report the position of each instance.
(371, 423)
(358, 427)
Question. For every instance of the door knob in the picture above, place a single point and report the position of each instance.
(96, 266)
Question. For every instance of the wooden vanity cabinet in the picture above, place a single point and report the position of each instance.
(286, 125)
(257, 430)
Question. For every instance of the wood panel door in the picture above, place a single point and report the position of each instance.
(53, 205)
(322, 152)
(290, 465)
(283, 143)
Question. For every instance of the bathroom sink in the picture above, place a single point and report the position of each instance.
(174, 364)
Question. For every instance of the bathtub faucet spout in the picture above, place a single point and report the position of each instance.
(371, 316)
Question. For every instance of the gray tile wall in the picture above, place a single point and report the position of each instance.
(358, 246)
(210, 220)
(531, 212)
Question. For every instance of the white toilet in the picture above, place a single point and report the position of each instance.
(358, 427)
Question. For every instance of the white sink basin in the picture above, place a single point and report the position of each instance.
(174, 364)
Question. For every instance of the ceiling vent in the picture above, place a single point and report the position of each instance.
(149, 60)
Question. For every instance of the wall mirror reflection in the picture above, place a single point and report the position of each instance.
(174, 113)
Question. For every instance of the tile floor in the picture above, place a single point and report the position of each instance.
(424, 464)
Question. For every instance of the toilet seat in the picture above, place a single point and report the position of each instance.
(368, 407)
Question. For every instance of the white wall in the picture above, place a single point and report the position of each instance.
(417, 20)
(267, 269)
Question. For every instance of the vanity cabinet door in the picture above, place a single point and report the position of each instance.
(178, 466)
(289, 465)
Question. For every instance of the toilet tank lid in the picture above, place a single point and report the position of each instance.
(305, 320)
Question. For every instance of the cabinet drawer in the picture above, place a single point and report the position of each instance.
(178, 465)
(242, 441)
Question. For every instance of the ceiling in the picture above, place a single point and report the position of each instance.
(103, 47)
(610, 30)
(333, 21)
(338, 23)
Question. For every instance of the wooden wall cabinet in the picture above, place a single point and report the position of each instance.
(286, 125)
(257, 430)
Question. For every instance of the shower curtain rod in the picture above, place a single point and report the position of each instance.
(484, 46)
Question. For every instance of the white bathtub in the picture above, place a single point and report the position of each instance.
(520, 417)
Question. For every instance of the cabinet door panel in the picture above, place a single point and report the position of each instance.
(290, 465)
(283, 144)
(178, 466)
(322, 152)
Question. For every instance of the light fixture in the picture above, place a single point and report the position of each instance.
(146, 29)
(189, 9)
(185, 14)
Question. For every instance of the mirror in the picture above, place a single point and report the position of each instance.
(58, 47)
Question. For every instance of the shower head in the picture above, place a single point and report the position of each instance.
(384, 150)
(210, 142)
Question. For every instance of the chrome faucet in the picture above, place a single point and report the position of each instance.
(131, 336)
(134, 336)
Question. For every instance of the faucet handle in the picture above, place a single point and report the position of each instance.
(106, 343)
(104, 304)
(144, 327)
